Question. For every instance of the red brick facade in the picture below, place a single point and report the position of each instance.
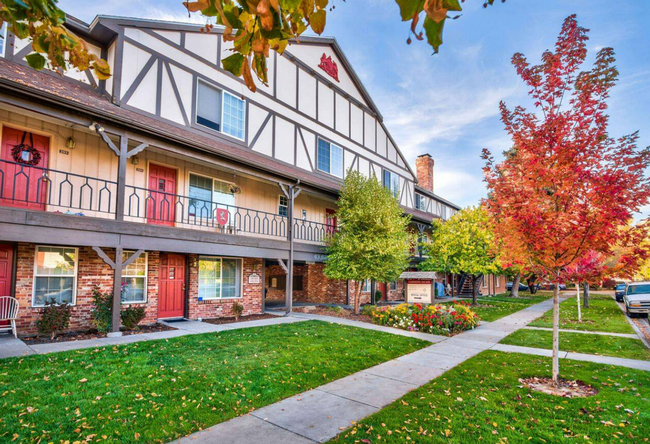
(216, 308)
(93, 272)
(316, 287)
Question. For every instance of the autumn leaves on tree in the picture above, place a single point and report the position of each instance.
(566, 186)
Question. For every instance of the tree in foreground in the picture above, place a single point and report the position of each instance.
(373, 241)
(462, 244)
(254, 26)
(566, 186)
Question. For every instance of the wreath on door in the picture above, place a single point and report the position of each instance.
(26, 154)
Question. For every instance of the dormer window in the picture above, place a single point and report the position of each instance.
(420, 202)
(220, 110)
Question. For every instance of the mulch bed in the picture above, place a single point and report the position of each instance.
(231, 320)
(93, 334)
(327, 311)
(563, 388)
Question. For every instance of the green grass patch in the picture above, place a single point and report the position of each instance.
(603, 314)
(160, 390)
(482, 400)
(491, 308)
(581, 343)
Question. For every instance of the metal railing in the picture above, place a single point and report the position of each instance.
(39, 188)
(45, 189)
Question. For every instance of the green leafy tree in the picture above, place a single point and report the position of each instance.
(254, 26)
(373, 241)
(463, 244)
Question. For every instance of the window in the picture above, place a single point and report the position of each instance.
(219, 278)
(3, 39)
(393, 285)
(219, 110)
(420, 202)
(391, 181)
(330, 158)
(134, 279)
(366, 286)
(283, 206)
(207, 195)
(55, 275)
(425, 238)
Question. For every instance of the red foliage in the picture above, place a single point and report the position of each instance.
(566, 187)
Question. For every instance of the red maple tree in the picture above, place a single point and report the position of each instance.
(565, 187)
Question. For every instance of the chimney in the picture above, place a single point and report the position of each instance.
(424, 169)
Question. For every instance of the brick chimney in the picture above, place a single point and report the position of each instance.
(424, 169)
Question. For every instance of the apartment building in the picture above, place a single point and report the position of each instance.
(175, 187)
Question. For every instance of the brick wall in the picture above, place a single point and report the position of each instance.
(279, 294)
(92, 272)
(251, 298)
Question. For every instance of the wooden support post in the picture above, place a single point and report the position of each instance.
(117, 265)
(290, 192)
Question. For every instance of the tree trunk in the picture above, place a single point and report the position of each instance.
(578, 300)
(515, 286)
(586, 298)
(556, 331)
(474, 290)
(357, 298)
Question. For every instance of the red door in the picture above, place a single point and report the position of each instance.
(6, 272)
(331, 220)
(161, 202)
(171, 286)
(22, 185)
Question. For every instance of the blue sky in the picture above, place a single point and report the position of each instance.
(447, 105)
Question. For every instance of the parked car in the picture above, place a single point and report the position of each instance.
(522, 287)
(637, 299)
(550, 286)
(619, 292)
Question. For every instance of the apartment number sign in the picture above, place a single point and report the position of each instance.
(254, 278)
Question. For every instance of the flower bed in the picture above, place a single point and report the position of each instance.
(447, 319)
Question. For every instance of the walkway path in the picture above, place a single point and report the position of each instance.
(588, 332)
(10, 347)
(320, 414)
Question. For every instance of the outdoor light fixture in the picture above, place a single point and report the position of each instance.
(135, 160)
(71, 143)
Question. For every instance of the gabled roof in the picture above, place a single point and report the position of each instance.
(434, 196)
(97, 30)
(21, 79)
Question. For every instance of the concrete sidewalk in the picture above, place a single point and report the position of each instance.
(10, 347)
(319, 415)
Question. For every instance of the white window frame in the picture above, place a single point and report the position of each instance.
(367, 283)
(223, 92)
(423, 202)
(342, 157)
(241, 278)
(486, 278)
(395, 193)
(3, 36)
(205, 176)
(146, 278)
(391, 285)
(74, 280)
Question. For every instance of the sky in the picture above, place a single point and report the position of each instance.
(447, 104)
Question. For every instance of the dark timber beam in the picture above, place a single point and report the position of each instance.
(117, 265)
(290, 192)
(123, 153)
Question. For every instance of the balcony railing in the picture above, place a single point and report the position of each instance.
(45, 189)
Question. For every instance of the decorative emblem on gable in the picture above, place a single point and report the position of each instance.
(329, 66)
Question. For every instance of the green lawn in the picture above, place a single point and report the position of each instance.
(581, 343)
(603, 314)
(482, 401)
(160, 390)
(492, 308)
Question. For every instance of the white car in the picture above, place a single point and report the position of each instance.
(637, 299)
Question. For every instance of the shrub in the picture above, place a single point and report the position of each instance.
(237, 310)
(132, 316)
(102, 310)
(443, 319)
(55, 319)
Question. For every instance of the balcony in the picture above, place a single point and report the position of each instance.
(44, 189)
